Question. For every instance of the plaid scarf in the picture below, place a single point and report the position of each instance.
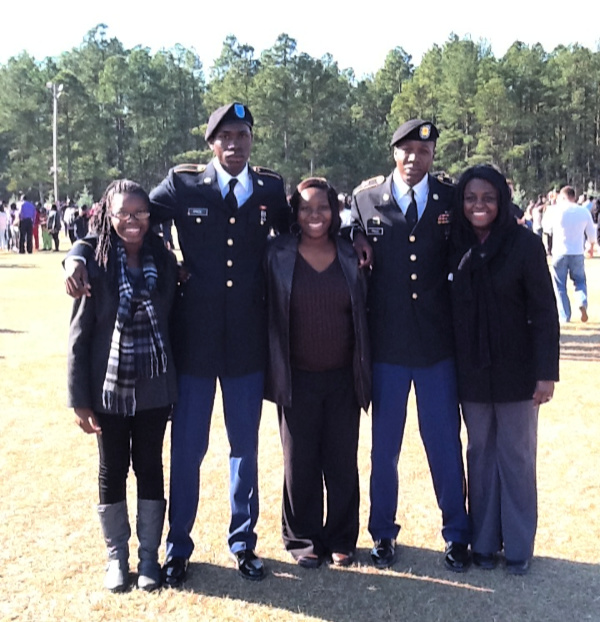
(136, 349)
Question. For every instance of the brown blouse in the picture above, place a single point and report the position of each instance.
(321, 328)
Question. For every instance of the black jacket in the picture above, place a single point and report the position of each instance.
(523, 332)
(280, 263)
(408, 302)
(220, 314)
(92, 325)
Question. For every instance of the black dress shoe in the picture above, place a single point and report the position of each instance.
(486, 561)
(457, 557)
(175, 571)
(517, 567)
(249, 565)
(309, 561)
(383, 553)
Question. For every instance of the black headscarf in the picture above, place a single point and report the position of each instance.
(471, 259)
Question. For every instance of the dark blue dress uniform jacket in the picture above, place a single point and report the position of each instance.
(410, 321)
(219, 324)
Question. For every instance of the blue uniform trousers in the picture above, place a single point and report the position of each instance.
(439, 425)
(242, 402)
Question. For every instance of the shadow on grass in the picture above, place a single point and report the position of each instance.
(418, 587)
(581, 343)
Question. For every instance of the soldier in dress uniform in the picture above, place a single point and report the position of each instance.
(405, 218)
(223, 212)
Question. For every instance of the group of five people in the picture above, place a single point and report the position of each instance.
(321, 323)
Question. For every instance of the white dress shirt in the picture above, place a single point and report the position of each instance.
(243, 189)
(400, 191)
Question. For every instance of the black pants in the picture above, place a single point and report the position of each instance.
(25, 235)
(137, 440)
(319, 434)
(54, 235)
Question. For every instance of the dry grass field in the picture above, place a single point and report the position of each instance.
(52, 554)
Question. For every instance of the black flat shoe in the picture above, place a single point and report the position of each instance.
(175, 571)
(342, 559)
(486, 561)
(383, 553)
(309, 561)
(517, 567)
(249, 565)
(457, 557)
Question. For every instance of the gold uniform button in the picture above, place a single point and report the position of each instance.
(232, 220)
(229, 283)
(413, 277)
(414, 296)
(411, 238)
(229, 263)
(413, 258)
(229, 242)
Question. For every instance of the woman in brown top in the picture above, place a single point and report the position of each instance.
(318, 375)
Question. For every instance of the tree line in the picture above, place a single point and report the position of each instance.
(131, 113)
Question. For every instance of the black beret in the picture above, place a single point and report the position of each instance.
(415, 129)
(230, 112)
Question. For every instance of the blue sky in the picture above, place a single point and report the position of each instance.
(359, 38)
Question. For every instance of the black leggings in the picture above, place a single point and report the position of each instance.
(137, 440)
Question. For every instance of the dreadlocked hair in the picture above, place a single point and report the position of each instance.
(101, 223)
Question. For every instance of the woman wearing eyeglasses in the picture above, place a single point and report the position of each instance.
(121, 379)
(318, 375)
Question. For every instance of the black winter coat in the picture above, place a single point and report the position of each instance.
(92, 326)
(524, 331)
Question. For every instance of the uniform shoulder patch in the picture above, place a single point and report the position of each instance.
(369, 183)
(444, 178)
(262, 170)
(190, 168)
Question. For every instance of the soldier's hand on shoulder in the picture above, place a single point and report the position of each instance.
(363, 250)
(183, 274)
(76, 279)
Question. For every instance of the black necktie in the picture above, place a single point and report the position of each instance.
(230, 199)
(411, 213)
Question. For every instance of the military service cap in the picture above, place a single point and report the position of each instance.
(415, 129)
(230, 112)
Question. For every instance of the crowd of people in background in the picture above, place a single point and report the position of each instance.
(23, 223)
(538, 217)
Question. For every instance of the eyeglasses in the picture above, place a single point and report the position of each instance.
(136, 216)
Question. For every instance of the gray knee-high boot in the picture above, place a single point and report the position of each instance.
(116, 530)
(150, 519)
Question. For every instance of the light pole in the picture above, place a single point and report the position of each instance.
(56, 93)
